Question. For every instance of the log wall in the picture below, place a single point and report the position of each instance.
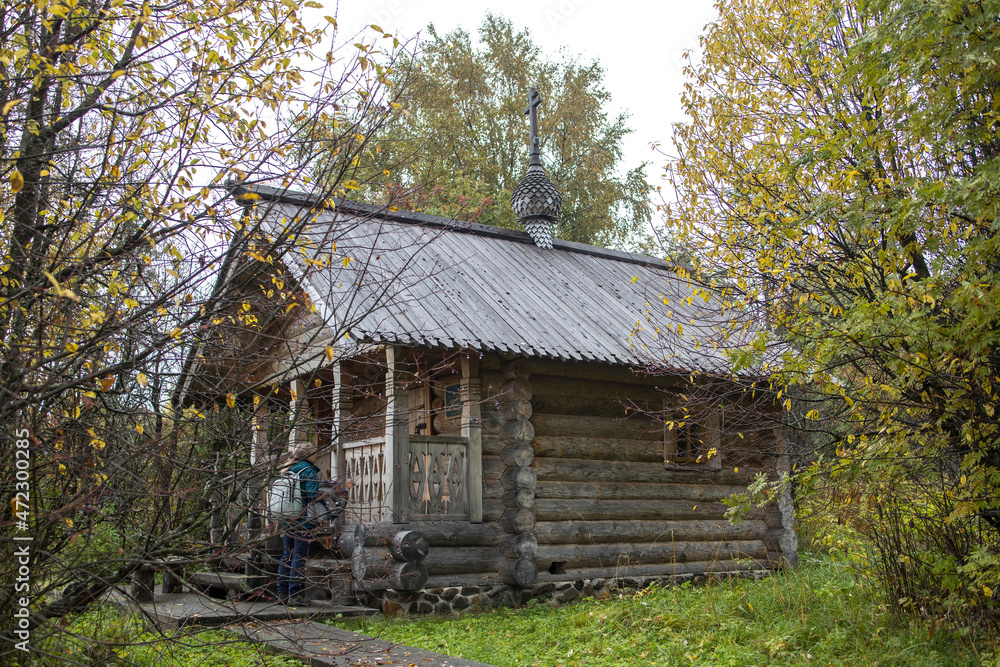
(575, 487)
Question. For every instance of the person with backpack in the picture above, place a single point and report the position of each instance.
(302, 482)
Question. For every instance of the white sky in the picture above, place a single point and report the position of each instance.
(639, 45)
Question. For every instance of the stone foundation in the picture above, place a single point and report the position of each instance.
(458, 599)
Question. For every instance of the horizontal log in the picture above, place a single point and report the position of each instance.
(601, 449)
(633, 491)
(490, 419)
(640, 428)
(518, 520)
(512, 410)
(402, 576)
(518, 432)
(515, 390)
(598, 510)
(461, 560)
(582, 470)
(517, 546)
(595, 406)
(593, 532)
(613, 555)
(523, 497)
(460, 533)
(609, 390)
(493, 467)
(521, 477)
(405, 545)
(518, 572)
(517, 455)
(471, 579)
(493, 511)
(515, 368)
(492, 444)
(653, 570)
(329, 564)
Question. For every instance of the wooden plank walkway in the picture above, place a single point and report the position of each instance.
(183, 609)
(326, 646)
(289, 630)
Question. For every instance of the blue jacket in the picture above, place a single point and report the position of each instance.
(308, 475)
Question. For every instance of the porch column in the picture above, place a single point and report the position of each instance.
(396, 437)
(472, 431)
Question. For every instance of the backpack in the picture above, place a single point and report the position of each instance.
(284, 498)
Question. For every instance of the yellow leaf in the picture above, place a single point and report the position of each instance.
(230, 400)
(10, 105)
(347, 260)
(635, 278)
(141, 379)
(331, 21)
(16, 181)
(117, 74)
(352, 184)
(329, 353)
(72, 347)
(107, 383)
(138, 427)
(176, 333)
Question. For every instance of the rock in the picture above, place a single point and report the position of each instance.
(544, 589)
(461, 602)
(431, 598)
(568, 595)
(598, 584)
(447, 593)
(578, 584)
(470, 590)
(424, 607)
(442, 608)
(588, 590)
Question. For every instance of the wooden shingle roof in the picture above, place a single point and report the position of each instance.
(413, 279)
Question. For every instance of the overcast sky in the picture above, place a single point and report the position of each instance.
(638, 43)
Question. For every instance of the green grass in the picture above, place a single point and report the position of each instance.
(817, 614)
(105, 636)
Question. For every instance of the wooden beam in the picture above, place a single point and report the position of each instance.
(472, 431)
(396, 424)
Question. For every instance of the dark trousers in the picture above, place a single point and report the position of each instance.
(293, 560)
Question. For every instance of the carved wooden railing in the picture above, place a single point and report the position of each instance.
(364, 462)
(437, 469)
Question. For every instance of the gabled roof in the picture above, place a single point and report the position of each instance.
(416, 279)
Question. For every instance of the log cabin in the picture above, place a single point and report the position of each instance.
(546, 418)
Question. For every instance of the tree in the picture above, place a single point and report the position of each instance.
(460, 136)
(121, 124)
(839, 178)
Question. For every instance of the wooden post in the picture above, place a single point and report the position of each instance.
(713, 435)
(396, 436)
(472, 431)
(343, 406)
(299, 406)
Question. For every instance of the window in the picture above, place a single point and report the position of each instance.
(693, 438)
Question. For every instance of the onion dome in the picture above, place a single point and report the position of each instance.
(536, 200)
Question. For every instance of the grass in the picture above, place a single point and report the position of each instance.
(105, 636)
(817, 614)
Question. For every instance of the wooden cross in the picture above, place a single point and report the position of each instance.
(534, 99)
